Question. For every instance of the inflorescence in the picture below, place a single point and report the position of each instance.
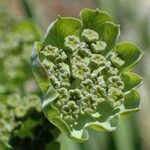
(83, 75)
(13, 112)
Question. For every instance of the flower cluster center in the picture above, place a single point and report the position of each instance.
(82, 75)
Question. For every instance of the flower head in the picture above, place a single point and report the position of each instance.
(14, 114)
(82, 74)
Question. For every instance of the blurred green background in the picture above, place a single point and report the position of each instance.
(134, 18)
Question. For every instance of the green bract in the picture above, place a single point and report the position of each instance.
(84, 76)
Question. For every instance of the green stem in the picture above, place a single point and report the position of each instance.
(27, 8)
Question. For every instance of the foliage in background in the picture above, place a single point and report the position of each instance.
(22, 125)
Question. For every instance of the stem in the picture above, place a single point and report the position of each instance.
(27, 8)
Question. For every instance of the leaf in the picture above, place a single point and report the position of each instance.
(38, 70)
(128, 52)
(61, 124)
(109, 35)
(80, 135)
(94, 19)
(129, 112)
(110, 125)
(41, 74)
(114, 122)
(53, 115)
(131, 102)
(28, 26)
(26, 128)
(59, 29)
(108, 120)
(105, 109)
(131, 80)
(50, 111)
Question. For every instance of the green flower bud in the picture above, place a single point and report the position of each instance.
(116, 82)
(84, 52)
(50, 52)
(61, 57)
(80, 71)
(75, 94)
(32, 101)
(87, 84)
(20, 111)
(13, 100)
(48, 65)
(98, 47)
(63, 97)
(100, 92)
(115, 94)
(89, 104)
(110, 70)
(97, 60)
(72, 43)
(90, 35)
(70, 111)
(3, 125)
(54, 81)
(101, 81)
(116, 61)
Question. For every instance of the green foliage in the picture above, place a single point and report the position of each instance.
(82, 74)
(22, 124)
(13, 110)
(15, 50)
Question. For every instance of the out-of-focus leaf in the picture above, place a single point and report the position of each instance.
(53, 146)
(2, 146)
(30, 27)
